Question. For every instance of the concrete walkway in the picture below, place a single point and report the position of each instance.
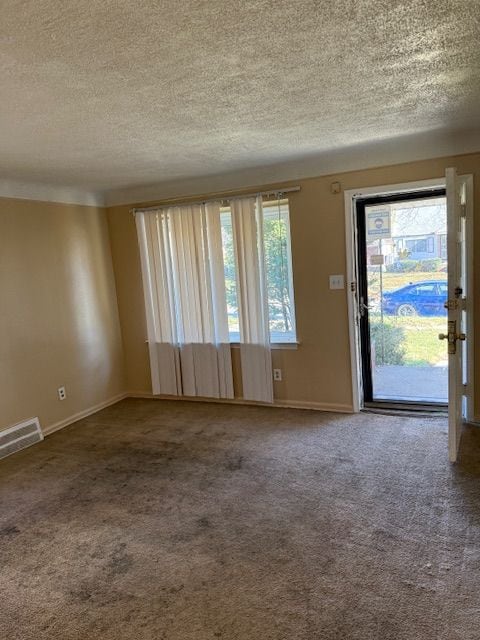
(410, 383)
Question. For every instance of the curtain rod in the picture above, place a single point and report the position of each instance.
(179, 203)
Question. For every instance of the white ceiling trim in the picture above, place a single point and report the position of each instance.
(423, 146)
(49, 193)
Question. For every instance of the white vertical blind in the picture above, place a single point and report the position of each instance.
(256, 361)
(160, 315)
(184, 284)
(185, 300)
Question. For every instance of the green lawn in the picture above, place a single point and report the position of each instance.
(421, 344)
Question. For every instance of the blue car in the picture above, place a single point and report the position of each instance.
(417, 299)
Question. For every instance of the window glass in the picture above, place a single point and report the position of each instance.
(276, 233)
(418, 246)
(230, 274)
(426, 289)
(278, 268)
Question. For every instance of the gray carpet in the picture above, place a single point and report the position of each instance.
(182, 521)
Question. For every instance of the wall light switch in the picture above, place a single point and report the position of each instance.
(337, 282)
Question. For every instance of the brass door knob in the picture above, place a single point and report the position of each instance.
(446, 336)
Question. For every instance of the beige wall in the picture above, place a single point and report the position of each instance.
(58, 320)
(318, 372)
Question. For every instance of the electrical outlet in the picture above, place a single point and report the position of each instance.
(62, 394)
(277, 375)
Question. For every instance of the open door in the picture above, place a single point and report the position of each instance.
(458, 193)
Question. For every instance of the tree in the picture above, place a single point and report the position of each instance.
(276, 266)
(276, 263)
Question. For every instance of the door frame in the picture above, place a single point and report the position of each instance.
(351, 196)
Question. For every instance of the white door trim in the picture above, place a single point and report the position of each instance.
(351, 195)
(470, 408)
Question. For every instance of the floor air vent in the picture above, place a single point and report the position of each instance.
(20, 436)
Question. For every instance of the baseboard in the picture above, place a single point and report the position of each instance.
(315, 406)
(280, 404)
(475, 422)
(82, 414)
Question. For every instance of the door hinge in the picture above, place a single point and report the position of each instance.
(463, 210)
(353, 287)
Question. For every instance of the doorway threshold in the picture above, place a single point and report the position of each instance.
(407, 408)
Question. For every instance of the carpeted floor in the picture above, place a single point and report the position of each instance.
(182, 521)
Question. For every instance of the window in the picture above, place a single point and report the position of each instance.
(420, 245)
(278, 263)
(230, 275)
(426, 290)
(205, 284)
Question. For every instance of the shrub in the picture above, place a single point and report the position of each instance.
(405, 266)
(429, 264)
(402, 266)
(388, 342)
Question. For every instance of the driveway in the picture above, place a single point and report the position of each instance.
(410, 383)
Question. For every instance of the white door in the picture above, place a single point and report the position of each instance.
(458, 193)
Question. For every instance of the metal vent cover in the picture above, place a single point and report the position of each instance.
(20, 436)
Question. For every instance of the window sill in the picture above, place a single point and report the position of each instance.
(284, 346)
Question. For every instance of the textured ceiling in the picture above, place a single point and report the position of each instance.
(113, 94)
